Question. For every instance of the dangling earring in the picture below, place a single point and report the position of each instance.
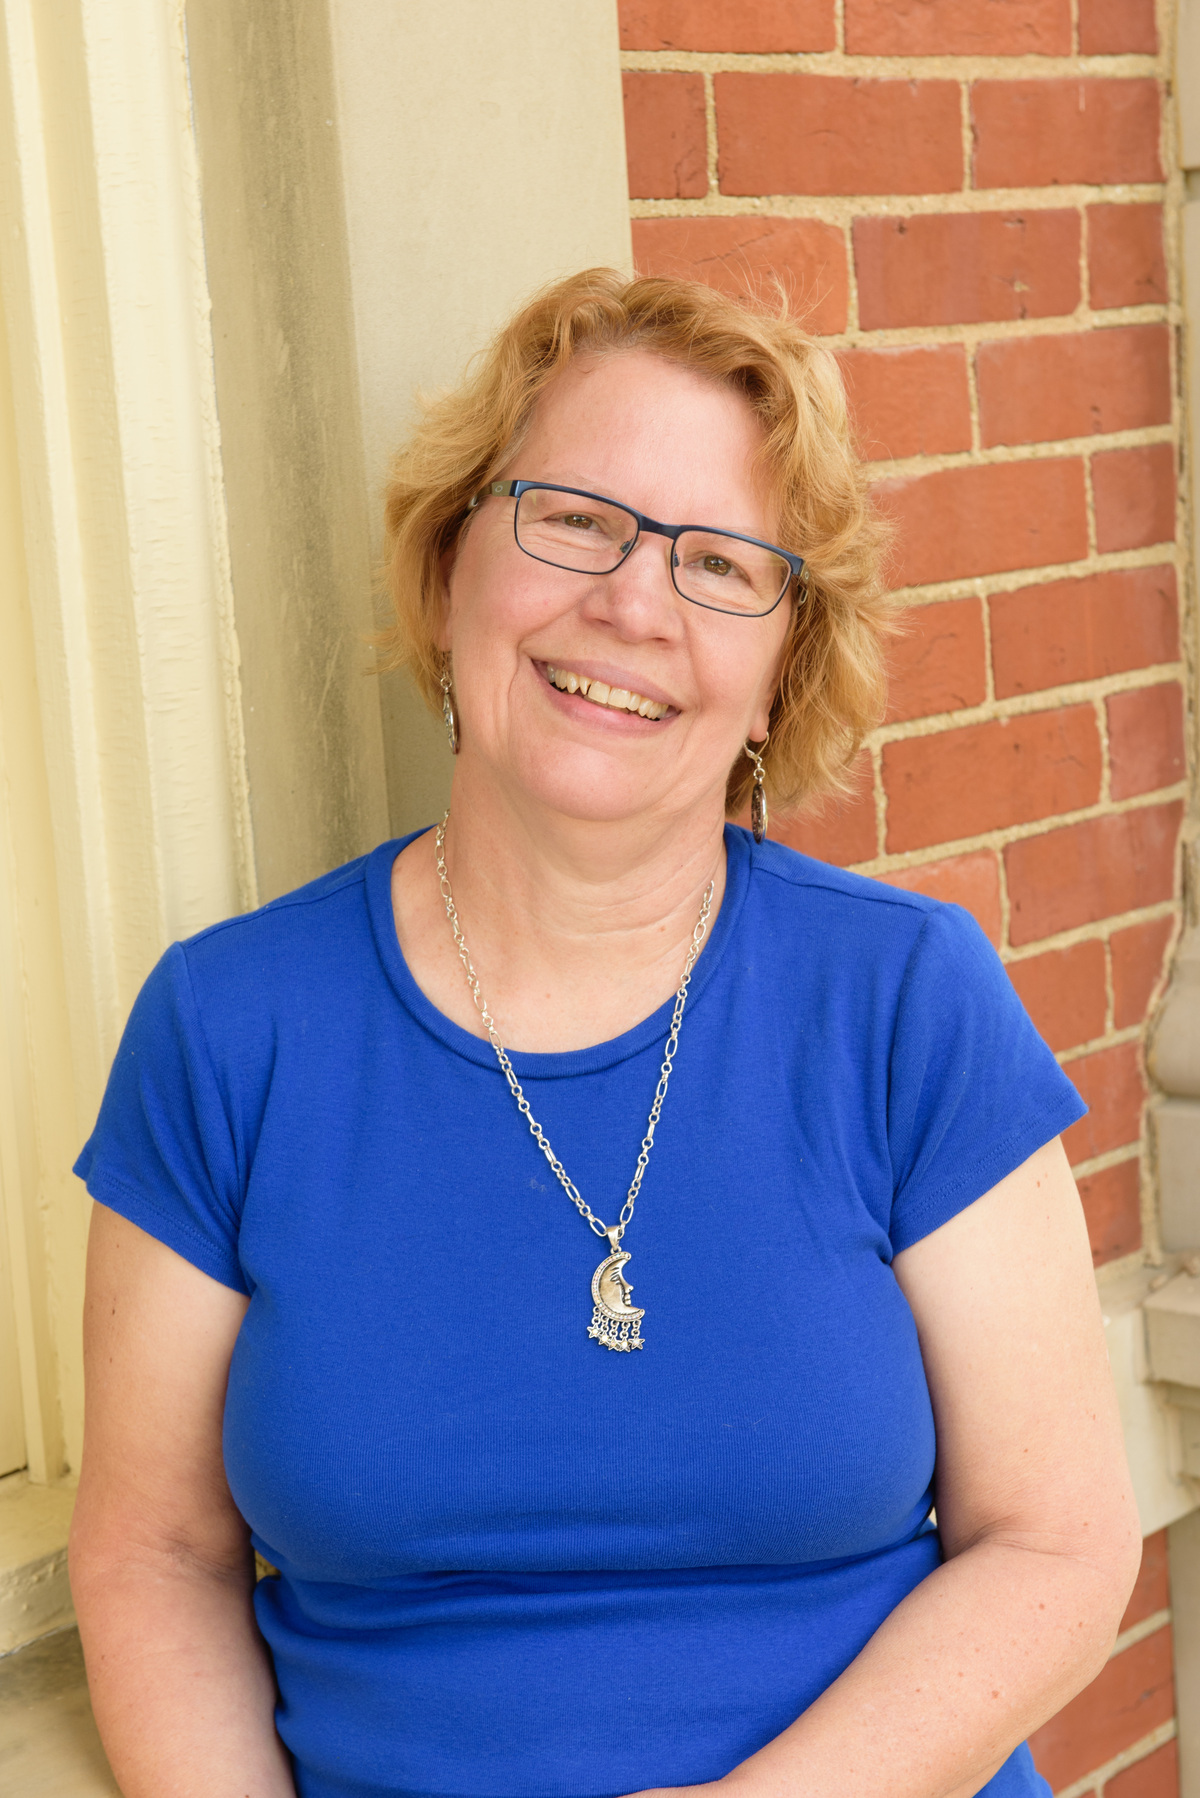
(758, 797)
(449, 710)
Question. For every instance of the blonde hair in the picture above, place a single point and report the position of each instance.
(832, 681)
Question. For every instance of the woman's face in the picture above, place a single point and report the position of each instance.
(675, 446)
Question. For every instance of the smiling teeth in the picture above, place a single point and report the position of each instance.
(620, 699)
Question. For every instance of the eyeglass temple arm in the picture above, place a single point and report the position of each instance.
(505, 489)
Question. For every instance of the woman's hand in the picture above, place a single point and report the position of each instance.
(161, 1567)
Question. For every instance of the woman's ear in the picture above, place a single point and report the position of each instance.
(761, 722)
(762, 716)
(446, 563)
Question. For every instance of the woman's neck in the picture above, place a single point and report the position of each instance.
(577, 929)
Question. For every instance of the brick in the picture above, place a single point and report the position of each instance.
(1033, 389)
(1134, 495)
(1138, 954)
(1116, 27)
(961, 268)
(1083, 630)
(1145, 739)
(1111, 1085)
(1127, 263)
(1112, 1208)
(959, 783)
(751, 26)
(1132, 1696)
(1064, 993)
(910, 401)
(958, 27)
(842, 831)
(834, 134)
(1156, 1775)
(972, 881)
(1091, 870)
(938, 662)
(753, 255)
(1152, 1591)
(958, 522)
(1045, 133)
(665, 136)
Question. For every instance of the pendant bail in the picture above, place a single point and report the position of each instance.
(613, 1232)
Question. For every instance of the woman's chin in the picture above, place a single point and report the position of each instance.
(591, 788)
(588, 805)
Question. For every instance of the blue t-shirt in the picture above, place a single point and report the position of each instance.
(511, 1563)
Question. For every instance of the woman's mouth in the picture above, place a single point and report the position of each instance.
(598, 692)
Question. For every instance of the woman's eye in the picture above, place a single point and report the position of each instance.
(577, 521)
(718, 565)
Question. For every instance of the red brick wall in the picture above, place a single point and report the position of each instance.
(967, 195)
(967, 198)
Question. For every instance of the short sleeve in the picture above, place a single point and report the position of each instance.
(163, 1153)
(973, 1089)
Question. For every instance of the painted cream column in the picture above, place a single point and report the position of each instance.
(125, 820)
(291, 438)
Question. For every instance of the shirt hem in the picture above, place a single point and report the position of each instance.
(1002, 1160)
(133, 1205)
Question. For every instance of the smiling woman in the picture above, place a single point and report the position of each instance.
(794, 449)
(510, 1565)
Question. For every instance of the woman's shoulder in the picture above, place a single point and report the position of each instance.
(245, 981)
(864, 936)
(787, 881)
(312, 927)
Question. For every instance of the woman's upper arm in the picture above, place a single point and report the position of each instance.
(1029, 1438)
(158, 1336)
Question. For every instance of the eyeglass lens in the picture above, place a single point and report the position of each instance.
(590, 537)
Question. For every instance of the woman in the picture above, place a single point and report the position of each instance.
(341, 1308)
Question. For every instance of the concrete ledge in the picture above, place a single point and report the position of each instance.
(1152, 1424)
(1186, 1400)
(49, 1747)
(35, 1597)
(1173, 1331)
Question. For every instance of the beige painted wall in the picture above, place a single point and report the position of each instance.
(483, 153)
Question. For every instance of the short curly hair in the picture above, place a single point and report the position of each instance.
(832, 680)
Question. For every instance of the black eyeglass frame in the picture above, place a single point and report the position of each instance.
(653, 527)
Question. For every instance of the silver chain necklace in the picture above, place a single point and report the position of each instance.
(615, 1322)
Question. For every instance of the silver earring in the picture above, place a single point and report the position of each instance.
(449, 709)
(758, 797)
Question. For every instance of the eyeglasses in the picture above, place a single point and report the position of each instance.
(724, 571)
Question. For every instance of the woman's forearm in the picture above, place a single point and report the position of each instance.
(974, 1659)
(181, 1684)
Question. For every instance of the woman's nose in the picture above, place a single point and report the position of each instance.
(640, 592)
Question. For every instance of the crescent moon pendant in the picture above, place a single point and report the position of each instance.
(616, 1324)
